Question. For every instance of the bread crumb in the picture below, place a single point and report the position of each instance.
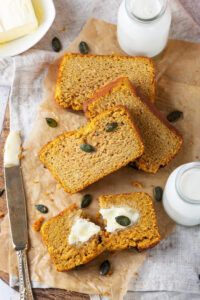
(19, 132)
(96, 220)
(35, 181)
(98, 215)
(37, 225)
(63, 29)
(137, 183)
(47, 194)
(59, 186)
(1, 215)
(20, 156)
(136, 274)
(51, 199)
(197, 157)
(22, 149)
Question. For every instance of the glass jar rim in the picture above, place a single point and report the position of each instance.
(183, 169)
(145, 20)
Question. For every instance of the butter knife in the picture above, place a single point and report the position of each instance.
(16, 204)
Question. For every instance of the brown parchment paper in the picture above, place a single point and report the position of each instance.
(178, 87)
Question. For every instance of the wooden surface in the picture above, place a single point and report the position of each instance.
(39, 294)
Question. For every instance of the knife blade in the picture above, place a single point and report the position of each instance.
(16, 204)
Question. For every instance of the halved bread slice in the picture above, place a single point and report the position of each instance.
(56, 235)
(142, 233)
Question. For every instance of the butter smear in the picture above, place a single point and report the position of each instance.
(82, 231)
(12, 150)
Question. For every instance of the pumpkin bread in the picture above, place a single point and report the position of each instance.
(66, 256)
(81, 75)
(81, 157)
(143, 234)
(162, 141)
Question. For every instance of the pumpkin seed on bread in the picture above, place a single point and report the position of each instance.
(162, 141)
(76, 166)
(80, 75)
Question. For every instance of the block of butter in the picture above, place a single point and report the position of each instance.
(17, 18)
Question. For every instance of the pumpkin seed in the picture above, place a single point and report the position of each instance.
(133, 165)
(174, 115)
(123, 220)
(104, 267)
(87, 148)
(86, 200)
(158, 192)
(51, 122)
(1, 192)
(83, 47)
(111, 126)
(41, 208)
(56, 44)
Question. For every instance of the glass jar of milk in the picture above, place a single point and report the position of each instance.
(181, 197)
(143, 26)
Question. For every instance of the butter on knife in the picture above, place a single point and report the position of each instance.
(17, 18)
(12, 150)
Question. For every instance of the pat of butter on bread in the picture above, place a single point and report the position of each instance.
(17, 18)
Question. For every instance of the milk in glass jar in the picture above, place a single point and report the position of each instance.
(181, 197)
(143, 26)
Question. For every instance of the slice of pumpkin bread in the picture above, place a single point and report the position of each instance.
(162, 141)
(137, 217)
(81, 75)
(66, 237)
(81, 157)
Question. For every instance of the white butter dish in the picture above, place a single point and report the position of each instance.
(45, 13)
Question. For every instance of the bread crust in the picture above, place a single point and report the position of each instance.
(108, 88)
(65, 57)
(72, 191)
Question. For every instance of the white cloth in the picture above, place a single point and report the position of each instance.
(172, 271)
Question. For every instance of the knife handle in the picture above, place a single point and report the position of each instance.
(24, 281)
